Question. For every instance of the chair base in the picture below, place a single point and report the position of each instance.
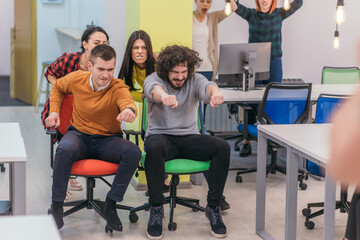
(173, 200)
(343, 205)
(273, 168)
(91, 203)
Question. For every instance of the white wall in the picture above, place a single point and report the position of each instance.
(115, 25)
(307, 37)
(70, 14)
(6, 23)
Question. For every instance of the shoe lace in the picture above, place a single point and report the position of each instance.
(156, 215)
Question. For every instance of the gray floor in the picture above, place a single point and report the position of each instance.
(86, 224)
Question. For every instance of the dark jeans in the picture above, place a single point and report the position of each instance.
(76, 145)
(353, 223)
(276, 74)
(160, 148)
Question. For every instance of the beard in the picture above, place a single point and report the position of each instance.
(174, 86)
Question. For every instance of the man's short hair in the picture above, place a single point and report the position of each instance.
(172, 56)
(103, 51)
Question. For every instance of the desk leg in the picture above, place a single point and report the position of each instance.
(291, 193)
(261, 187)
(18, 188)
(329, 212)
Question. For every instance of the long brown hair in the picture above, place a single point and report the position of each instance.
(273, 6)
(126, 70)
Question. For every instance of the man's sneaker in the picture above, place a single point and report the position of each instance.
(224, 205)
(154, 229)
(112, 219)
(217, 228)
(74, 185)
(246, 150)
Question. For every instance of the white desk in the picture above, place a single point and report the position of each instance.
(12, 151)
(309, 141)
(29, 228)
(255, 96)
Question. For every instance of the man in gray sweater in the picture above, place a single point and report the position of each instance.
(173, 93)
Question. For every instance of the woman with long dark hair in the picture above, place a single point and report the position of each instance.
(138, 63)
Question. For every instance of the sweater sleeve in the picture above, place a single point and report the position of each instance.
(61, 87)
(124, 99)
(294, 6)
(219, 15)
(243, 11)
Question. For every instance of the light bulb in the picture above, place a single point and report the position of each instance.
(336, 42)
(227, 8)
(286, 5)
(340, 15)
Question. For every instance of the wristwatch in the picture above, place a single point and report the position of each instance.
(132, 109)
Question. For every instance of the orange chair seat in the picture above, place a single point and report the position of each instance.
(93, 167)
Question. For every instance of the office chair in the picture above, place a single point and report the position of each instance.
(326, 104)
(175, 167)
(90, 169)
(281, 104)
(340, 75)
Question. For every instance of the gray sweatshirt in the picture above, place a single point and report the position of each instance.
(179, 121)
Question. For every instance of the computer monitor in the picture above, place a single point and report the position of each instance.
(234, 57)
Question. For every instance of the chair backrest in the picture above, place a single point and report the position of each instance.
(65, 114)
(340, 75)
(144, 120)
(285, 104)
(326, 104)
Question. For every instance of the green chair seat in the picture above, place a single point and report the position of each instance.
(182, 166)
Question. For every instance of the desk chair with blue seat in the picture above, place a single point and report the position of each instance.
(281, 104)
(90, 169)
(175, 167)
(326, 104)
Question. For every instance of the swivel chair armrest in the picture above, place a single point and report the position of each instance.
(134, 133)
(52, 132)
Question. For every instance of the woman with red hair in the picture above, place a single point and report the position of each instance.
(265, 26)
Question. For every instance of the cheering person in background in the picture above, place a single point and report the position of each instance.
(265, 26)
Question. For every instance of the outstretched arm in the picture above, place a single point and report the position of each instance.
(215, 96)
(294, 6)
(159, 95)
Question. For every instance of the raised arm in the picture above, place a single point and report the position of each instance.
(294, 6)
(243, 11)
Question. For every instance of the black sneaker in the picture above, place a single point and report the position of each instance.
(57, 211)
(224, 205)
(218, 228)
(154, 229)
(246, 150)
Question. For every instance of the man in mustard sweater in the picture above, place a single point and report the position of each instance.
(101, 103)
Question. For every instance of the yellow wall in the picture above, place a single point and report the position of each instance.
(167, 22)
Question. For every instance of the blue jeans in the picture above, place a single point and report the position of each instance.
(76, 145)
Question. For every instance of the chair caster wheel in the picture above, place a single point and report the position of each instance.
(236, 148)
(238, 179)
(306, 212)
(172, 226)
(303, 186)
(107, 229)
(49, 211)
(133, 217)
(309, 225)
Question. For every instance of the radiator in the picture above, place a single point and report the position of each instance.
(220, 119)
